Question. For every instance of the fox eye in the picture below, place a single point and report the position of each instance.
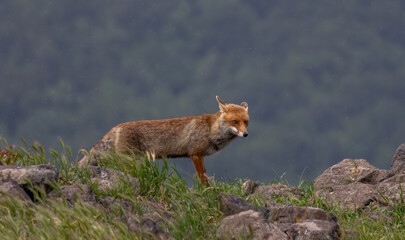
(234, 121)
(246, 123)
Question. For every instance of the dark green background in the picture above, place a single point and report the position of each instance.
(324, 80)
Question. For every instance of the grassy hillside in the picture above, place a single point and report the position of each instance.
(194, 210)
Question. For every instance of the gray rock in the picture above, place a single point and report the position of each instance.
(273, 191)
(397, 178)
(249, 225)
(391, 192)
(157, 212)
(30, 177)
(151, 210)
(353, 183)
(111, 203)
(379, 213)
(108, 178)
(314, 230)
(305, 222)
(35, 174)
(293, 214)
(376, 176)
(398, 162)
(231, 204)
(74, 193)
(353, 196)
(146, 228)
(12, 189)
(350, 171)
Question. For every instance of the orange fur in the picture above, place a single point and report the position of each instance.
(193, 137)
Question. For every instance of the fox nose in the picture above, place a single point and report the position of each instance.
(245, 134)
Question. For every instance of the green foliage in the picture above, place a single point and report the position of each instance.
(323, 79)
(195, 208)
(56, 220)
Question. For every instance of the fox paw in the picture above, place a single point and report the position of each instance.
(209, 180)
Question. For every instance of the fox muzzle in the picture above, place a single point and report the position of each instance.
(242, 134)
(238, 133)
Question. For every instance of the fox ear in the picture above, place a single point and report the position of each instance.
(222, 104)
(245, 105)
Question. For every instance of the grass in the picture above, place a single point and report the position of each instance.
(195, 208)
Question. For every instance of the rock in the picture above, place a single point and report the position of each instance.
(305, 222)
(146, 228)
(111, 203)
(392, 191)
(398, 162)
(293, 214)
(379, 213)
(249, 187)
(35, 174)
(314, 230)
(231, 204)
(376, 176)
(108, 178)
(272, 204)
(398, 178)
(352, 183)
(150, 210)
(74, 193)
(156, 212)
(249, 225)
(28, 177)
(353, 196)
(12, 189)
(350, 171)
(273, 191)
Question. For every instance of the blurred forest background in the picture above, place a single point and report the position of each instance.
(324, 80)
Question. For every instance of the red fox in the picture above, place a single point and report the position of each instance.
(193, 137)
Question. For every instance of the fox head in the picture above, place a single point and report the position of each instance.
(234, 118)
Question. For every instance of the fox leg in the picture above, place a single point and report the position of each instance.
(199, 167)
(151, 156)
(106, 144)
(92, 159)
